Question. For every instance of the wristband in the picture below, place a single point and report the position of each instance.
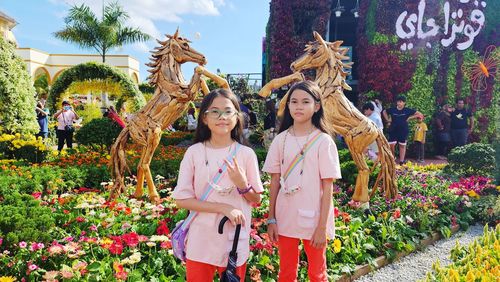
(271, 221)
(244, 191)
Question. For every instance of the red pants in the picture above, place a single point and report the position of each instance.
(289, 260)
(201, 272)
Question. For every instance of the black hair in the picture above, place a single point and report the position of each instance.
(317, 119)
(401, 98)
(368, 106)
(270, 106)
(65, 103)
(203, 133)
(460, 99)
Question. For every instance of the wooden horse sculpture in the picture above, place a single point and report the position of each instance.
(171, 98)
(357, 130)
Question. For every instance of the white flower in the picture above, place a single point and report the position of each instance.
(160, 238)
(92, 212)
(468, 204)
(409, 219)
(151, 244)
(136, 218)
(103, 215)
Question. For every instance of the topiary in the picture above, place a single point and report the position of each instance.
(100, 131)
(17, 94)
(471, 159)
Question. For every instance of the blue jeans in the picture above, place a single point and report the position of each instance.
(459, 137)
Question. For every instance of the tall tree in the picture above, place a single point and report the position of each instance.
(88, 31)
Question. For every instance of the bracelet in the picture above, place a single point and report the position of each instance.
(244, 191)
(271, 221)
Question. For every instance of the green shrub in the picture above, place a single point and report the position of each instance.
(27, 180)
(471, 159)
(168, 139)
(23, 219)
(261, 154)
(102, 131)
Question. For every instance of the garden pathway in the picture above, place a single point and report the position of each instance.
(416, 265)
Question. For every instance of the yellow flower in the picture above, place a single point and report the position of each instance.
(472, 194)
(337, 246)
(470, 276)
(7, 279)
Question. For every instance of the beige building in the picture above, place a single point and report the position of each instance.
(40, 62)
(6, 25)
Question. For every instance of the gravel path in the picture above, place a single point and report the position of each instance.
(416, 265)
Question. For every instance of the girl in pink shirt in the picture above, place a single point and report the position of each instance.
(218, 132)
(303, 163)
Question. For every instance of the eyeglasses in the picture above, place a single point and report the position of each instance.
(216, 114)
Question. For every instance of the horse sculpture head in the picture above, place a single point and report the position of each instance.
(179, 48)
(319, 52)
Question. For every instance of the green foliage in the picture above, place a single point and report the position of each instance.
(471, 159)
(168, 139)
(146, 88)
(380, 38)
(101, 131)
(239, 85)
(471, 57)
(41, 85)
(451, 80)
(89, 112)
(23, 219)
(17, 95)
(26, 180)
(371, 20)
(261, 154)
(94, 70)
(492, 114)
(421, 96)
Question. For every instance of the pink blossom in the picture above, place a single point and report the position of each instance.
(32, 267)
(23, 244)
(93, 227)
(1, 240)
(67, 274)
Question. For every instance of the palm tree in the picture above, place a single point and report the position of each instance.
(86, 30)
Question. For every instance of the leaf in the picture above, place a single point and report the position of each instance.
(369, 246)
(94, 267)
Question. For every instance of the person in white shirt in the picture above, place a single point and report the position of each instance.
(370, 111)
(65, 119)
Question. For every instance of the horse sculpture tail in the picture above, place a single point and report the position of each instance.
(119, 163)
(387, 168)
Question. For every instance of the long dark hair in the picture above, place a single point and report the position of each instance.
(203, 133)
(317, 118)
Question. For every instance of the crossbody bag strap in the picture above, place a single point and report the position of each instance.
(300, 157)
(209, 189)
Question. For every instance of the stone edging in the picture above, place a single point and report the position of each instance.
(382, 261)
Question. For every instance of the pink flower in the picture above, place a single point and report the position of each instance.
(40, 246)
(143, 238)
(23, 244)
(69, 239)
(37, 195)
(36, 246)
(1, 240)
(116, 248)
(67, 274)
(131, 239)
(32, 267)
(166, 245)
(335, 212)
(56, 249)
(93, 227)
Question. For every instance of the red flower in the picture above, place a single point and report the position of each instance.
(80, 219)
(336, 212)
(37, 195)
(116, 248)
(396, 214)
(162, 228)
(131, 239)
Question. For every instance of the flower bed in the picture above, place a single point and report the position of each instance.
(90, 238)
(478, 262)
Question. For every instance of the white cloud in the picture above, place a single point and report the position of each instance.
(144, 13)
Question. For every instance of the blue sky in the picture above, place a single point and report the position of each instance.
(228, 32)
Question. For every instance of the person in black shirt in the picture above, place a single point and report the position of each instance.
(460, 128)
(397, 122)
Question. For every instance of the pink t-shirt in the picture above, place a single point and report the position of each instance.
(204, 243)
(298, 213)
(65, 118)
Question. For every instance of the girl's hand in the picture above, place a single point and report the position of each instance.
(272, 231)
(318, 239)
(235, 215)
(236, 174)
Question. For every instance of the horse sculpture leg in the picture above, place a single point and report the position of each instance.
(140, 177)
(361, 188)
(148, 156)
